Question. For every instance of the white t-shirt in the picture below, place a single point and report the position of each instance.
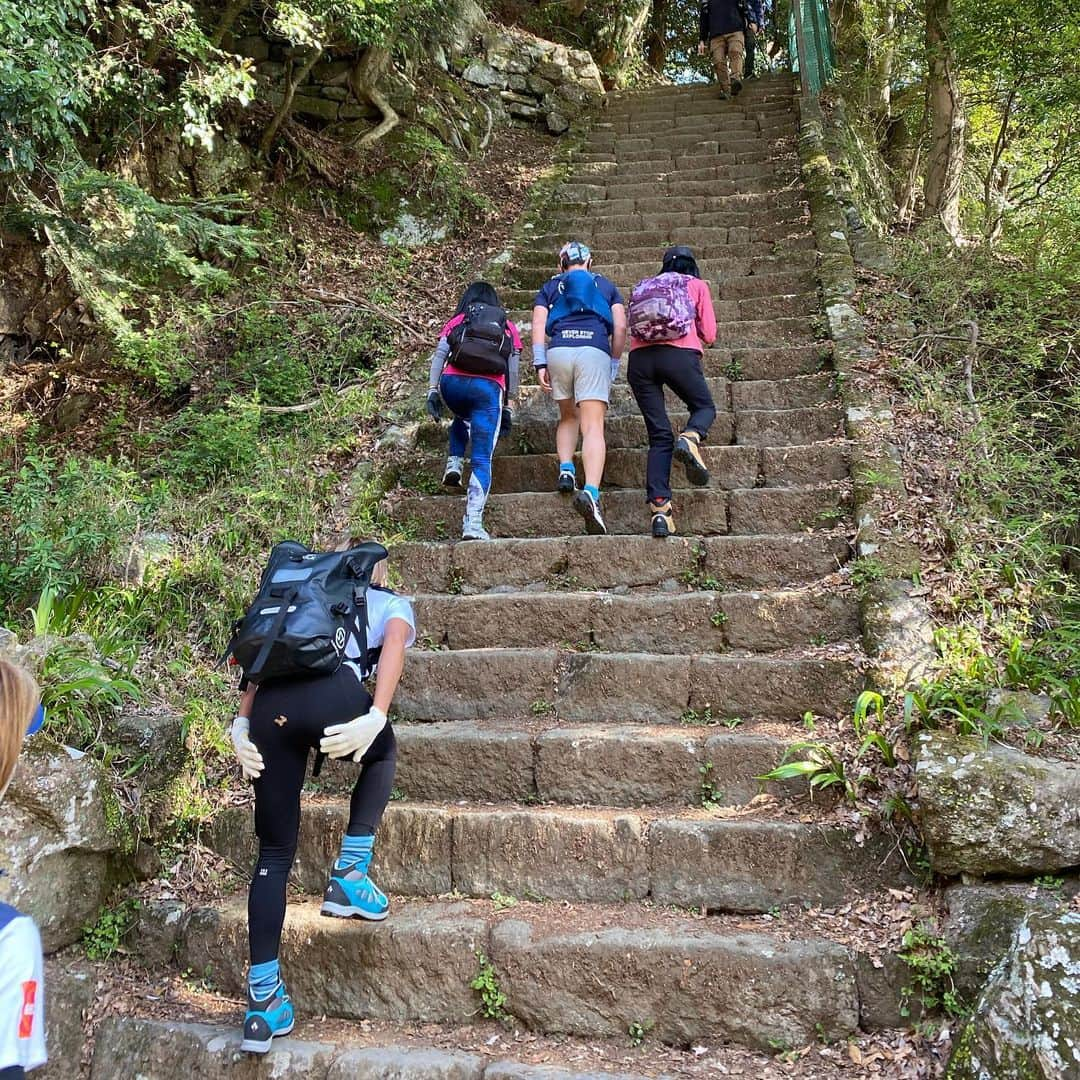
(382, 606)
(22, 993)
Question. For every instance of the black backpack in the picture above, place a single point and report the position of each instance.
(308, 606)
(480, 344)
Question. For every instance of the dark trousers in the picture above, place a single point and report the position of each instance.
(751, 52)
(287, 722)
(649, 371)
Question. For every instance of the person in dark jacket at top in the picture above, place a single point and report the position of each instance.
(722, 28)
(755, 11)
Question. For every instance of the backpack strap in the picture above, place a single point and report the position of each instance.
(279, 621)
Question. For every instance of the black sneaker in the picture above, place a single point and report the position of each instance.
(723, 95)
(663, 521)
(736, 87)
(567, 482)
(589, 509)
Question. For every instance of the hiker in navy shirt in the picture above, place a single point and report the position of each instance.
(578, 325)
(722, 27)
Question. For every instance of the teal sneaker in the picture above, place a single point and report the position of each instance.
(351, 894)
(266, 1019)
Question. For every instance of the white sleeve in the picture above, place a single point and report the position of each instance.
(22, 996)
(399, 607)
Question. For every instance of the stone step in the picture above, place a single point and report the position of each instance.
(686, 167)
(595, 226)
(685, 622)
(676, 186)
(534, 431)
(593, 687)
(693, 979)
(491, 761)
(149, 1048)
(635, 562)
(698, 512)
(736, 260)
(692, 858)
(731, 467)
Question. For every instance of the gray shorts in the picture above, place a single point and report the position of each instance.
(581, 372)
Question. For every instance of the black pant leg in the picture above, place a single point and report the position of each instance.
(277, 823)
(373, 786)
(649, 394)
(751, 51)
(683, 372)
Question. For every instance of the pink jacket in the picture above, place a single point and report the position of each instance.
(704, 332)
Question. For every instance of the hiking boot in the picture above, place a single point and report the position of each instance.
(351, 894)
(663, 521)
(688, 451)
(265, 1019)
(567, 482)
(451, 476)
(736, 87)
(589, 509)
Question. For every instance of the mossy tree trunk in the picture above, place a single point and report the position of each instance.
(364, 80)
(297, 76)
(945, 160)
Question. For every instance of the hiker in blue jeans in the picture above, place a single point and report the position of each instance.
(474, 372)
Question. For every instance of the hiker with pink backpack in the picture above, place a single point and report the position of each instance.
(671, 321)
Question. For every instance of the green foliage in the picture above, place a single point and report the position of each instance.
(502, 901)
(820, 765)
(698, 718)
(708, 793)
(486, 984)
(638, 1030)
(931, 964)
(103, 939)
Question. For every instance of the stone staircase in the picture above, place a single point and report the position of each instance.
(582, 726)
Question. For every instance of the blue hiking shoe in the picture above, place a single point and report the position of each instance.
(351, 894)
(265, 1019)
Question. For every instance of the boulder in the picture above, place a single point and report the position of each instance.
(1026, 1025)
(70, 990)
(153, 739)
(983, 918)
(481, 74)
(988, 809)
(61, 836)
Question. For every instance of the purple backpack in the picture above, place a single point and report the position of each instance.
(661, 308)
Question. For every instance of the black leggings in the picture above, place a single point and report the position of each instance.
(649, 371)
(287, 722)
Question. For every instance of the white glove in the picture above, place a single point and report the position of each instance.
(247, 753)
(341, 740)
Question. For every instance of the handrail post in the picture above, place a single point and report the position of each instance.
(800, 48)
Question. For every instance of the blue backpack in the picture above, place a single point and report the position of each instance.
(578, 293)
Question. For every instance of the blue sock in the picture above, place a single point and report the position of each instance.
(567, 466)
(263, 979)
(353, 850)
(593, 491)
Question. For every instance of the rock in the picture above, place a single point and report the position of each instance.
(1026, 1025)
(153, 738)
(467, 20)
(1019, 706)
(69, 993)
(9, 643)
(557, 123)
(73, 409)
(61, 836)
(157, 930)
(995, 810)
(983, 918)
(481, 74)
(254, 46)
(412, 231)
(227, 167)
(406, 1063)
(147, 550)
(897, 632)
(315, 105)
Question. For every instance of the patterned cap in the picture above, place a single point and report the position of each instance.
(574, 252)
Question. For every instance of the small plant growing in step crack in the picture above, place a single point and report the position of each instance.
(637, 1031)
(502, 901)
(542, 707)
(864, 572)
(931, 963)
(694, 718)
(718, 619)
(732, 722)
(486, 984)
(455, 583)
(819, 764)
(1051, 884)
(733, 370)
(871, 704)
(103, 940)
(710, 795)
(397, 795)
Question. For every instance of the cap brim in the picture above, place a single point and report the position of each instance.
(36, 721)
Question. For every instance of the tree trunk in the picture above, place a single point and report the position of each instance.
(228, 16)
(945, 160)
(364, 81)
(656, 43)
(884, 54)
(620, 46)
(285, 107)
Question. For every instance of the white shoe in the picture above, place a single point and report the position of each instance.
(451, 476)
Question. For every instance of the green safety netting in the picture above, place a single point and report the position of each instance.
(811, 17)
